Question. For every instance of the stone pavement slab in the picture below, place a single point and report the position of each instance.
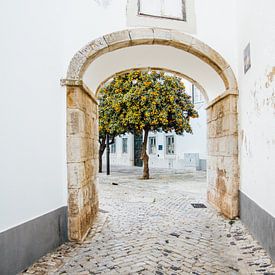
(151, 227)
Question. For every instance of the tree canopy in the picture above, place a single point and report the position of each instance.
(142, 101)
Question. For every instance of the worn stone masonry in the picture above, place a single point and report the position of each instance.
(223, 168)
(223, 171)
(82, 160)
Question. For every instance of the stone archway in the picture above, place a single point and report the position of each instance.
(82, 133)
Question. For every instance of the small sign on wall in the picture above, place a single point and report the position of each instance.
(247, 58)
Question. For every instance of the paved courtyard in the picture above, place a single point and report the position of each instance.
(151, 227)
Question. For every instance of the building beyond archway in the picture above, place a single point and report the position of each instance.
(82, 132)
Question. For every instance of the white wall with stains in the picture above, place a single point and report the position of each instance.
(256, 25)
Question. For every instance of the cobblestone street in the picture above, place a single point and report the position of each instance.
(151, 227)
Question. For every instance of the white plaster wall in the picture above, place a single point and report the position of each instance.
(32, 112)
(86, 20)
(196, 142)
(38, 39)
(217, 26)
(256, 22)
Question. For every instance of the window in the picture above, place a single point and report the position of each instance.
(152, 145)
(170, 145)
(124, 145)
(113, 148)
(197, 96)
(172, 9)
(168, 14)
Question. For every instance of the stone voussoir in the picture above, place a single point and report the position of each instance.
(162, 36)
(203, 49)
(181, 40)
(228, 76)
(141, 36)
(118, 40)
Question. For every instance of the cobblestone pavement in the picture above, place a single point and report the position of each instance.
(150, 227)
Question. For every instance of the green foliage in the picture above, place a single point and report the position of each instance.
(144, 100)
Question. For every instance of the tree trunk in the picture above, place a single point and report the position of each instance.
(102, 147)
(100, 161)
(144, 156)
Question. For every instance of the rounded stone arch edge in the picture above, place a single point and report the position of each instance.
(148, 36)
(181, 75)
(82, 126)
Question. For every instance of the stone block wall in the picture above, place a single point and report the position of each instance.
(223, 168)
(82, 161)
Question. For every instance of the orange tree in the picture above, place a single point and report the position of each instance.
(143, 101)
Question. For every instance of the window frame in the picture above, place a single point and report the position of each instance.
(150, 151)
(184, 18)
(197, 96)
(166, 145)
(126, 144)
(113, 148)
(135, 20)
